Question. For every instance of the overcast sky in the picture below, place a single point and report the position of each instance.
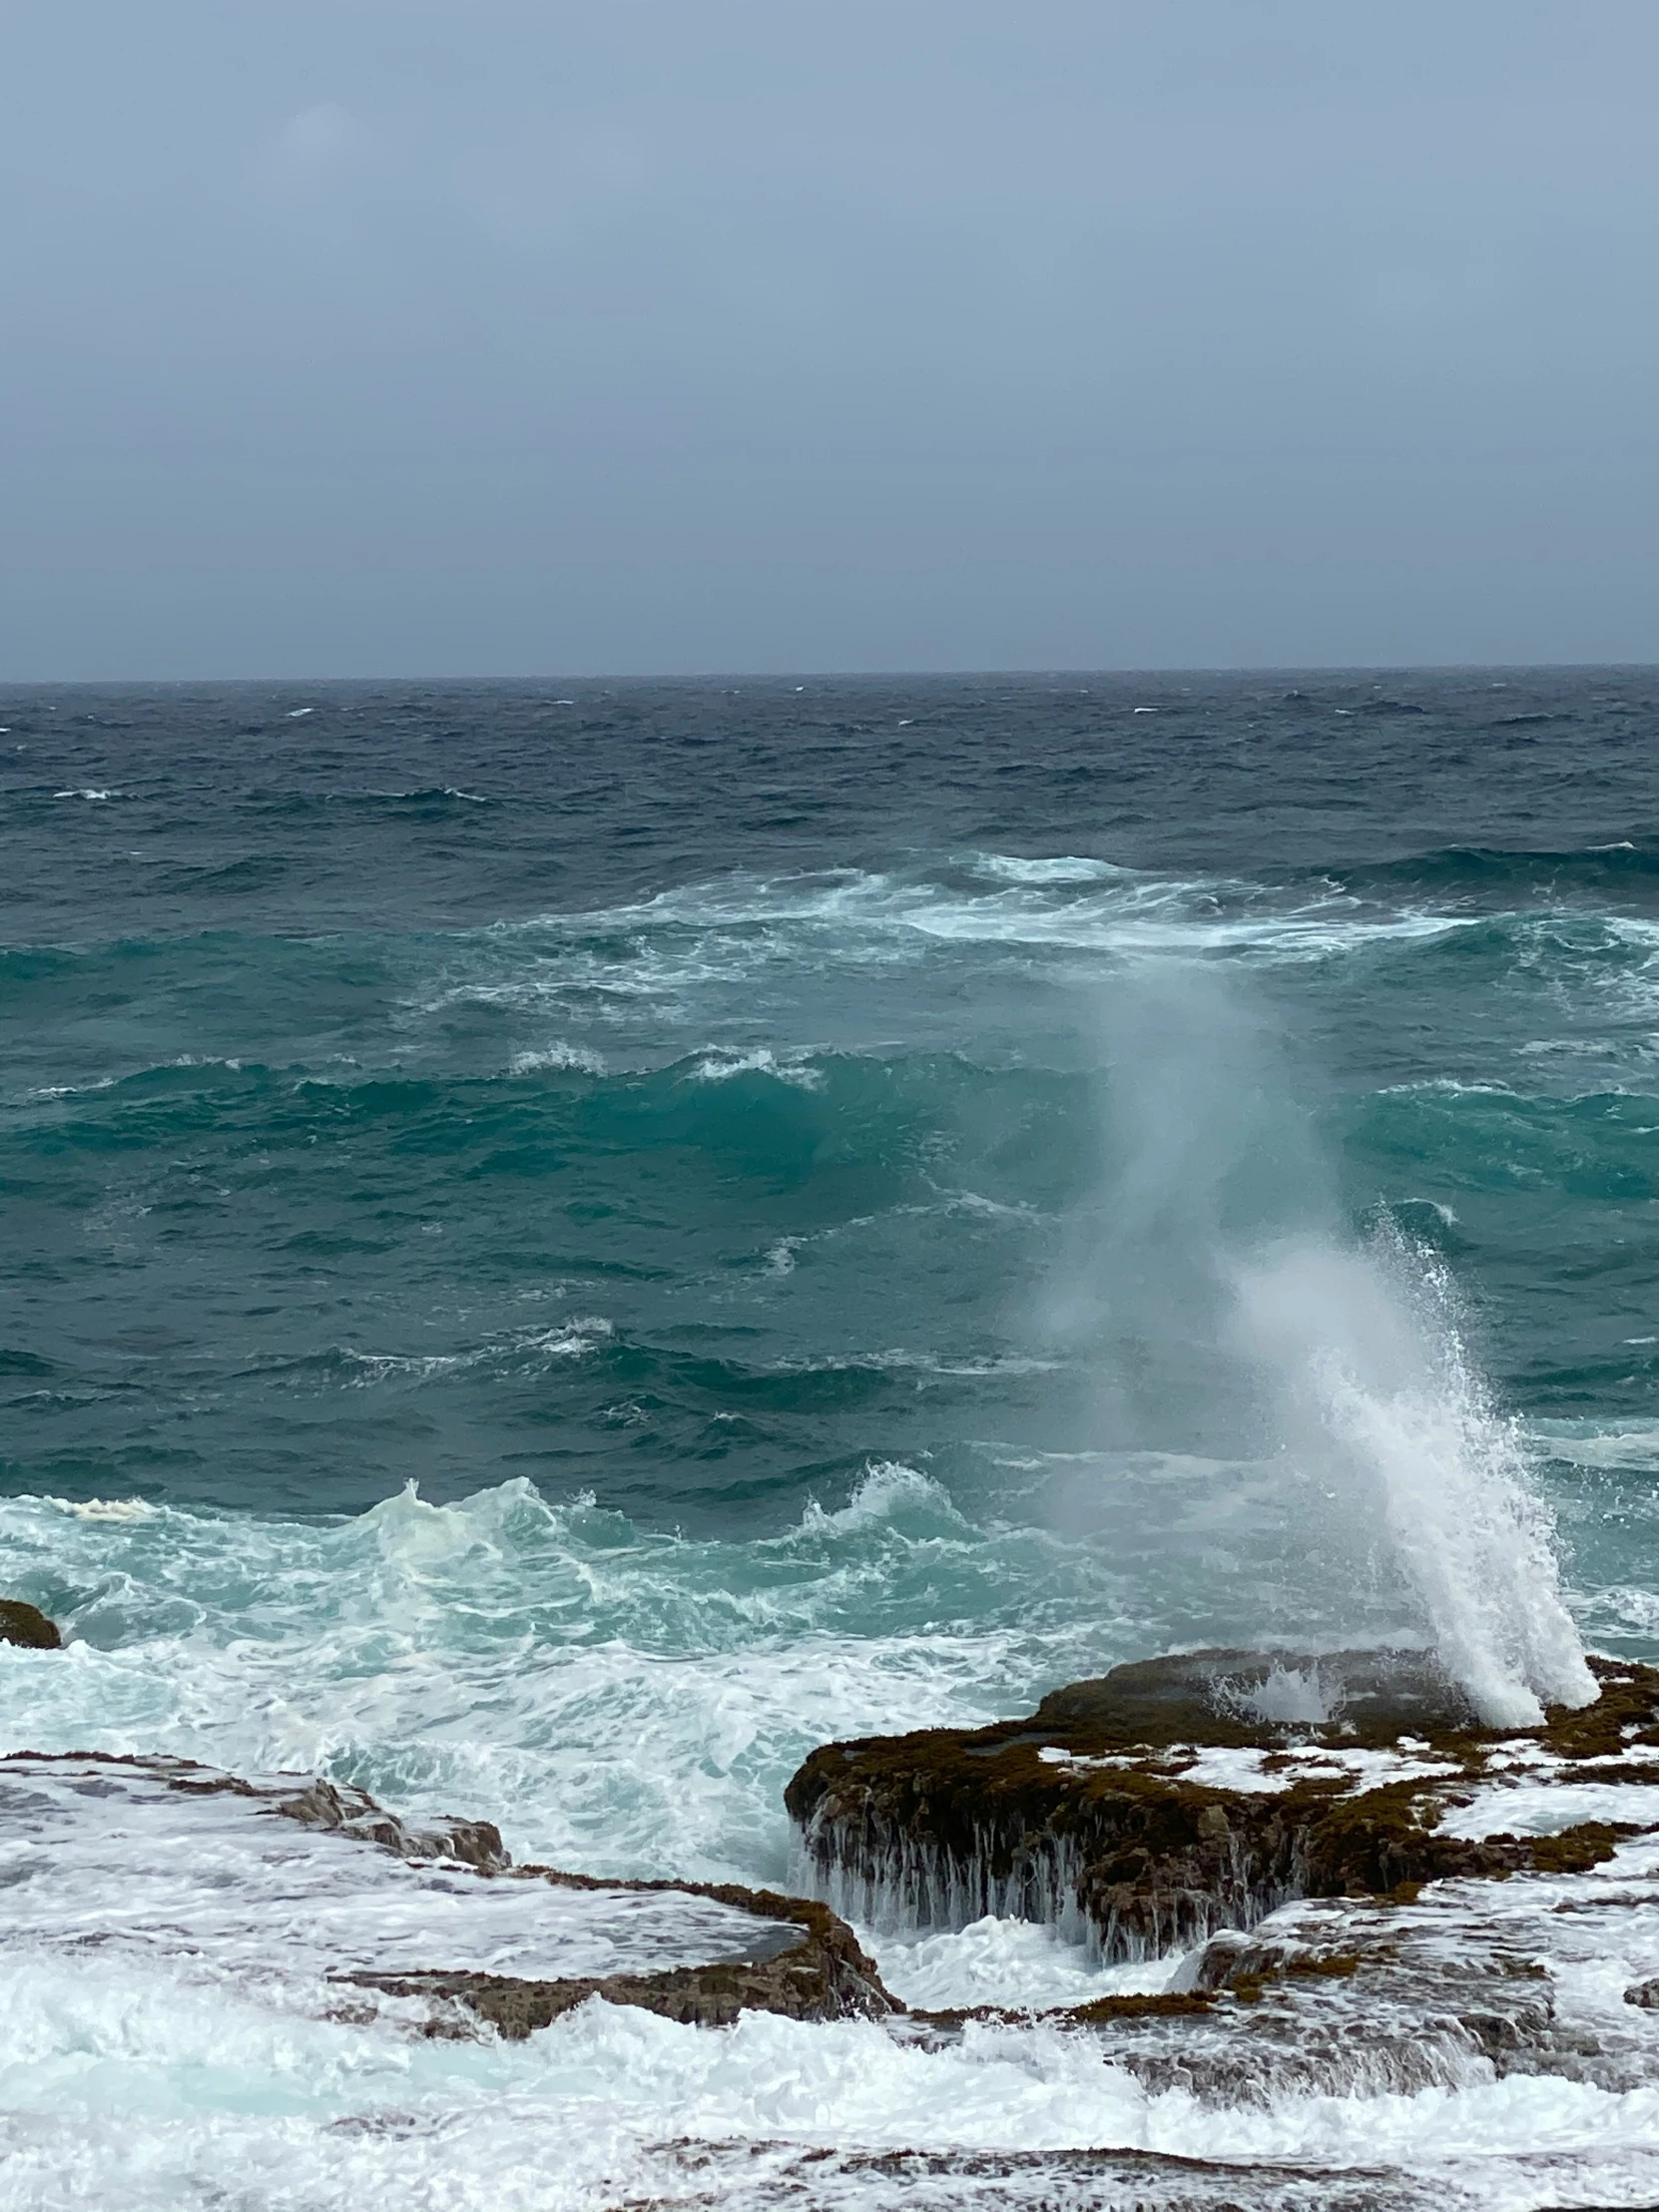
(517, 337)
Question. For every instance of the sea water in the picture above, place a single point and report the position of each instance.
(564, 1245)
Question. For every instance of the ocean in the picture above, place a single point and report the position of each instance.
(567, 1244)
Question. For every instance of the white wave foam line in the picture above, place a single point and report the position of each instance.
(151, 2094)
(725, 928)
(557, 1057)
(1004, 867)
(721, 1067)
(428, 790)
(1633, 1445)
(621, 1702)
(569, 1340)
(898, 1359)
(1309, 935)
(70, 1090)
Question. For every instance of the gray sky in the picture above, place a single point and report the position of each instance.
(516, 336)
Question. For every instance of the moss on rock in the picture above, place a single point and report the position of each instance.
(25, 1624)
(1088, 1812)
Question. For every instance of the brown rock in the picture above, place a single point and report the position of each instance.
(822, 1976)
(1082, 1814)
(27, 1625)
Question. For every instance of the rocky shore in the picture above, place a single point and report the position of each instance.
(1350, 1883)
(163, 1854)
(1169, 1800)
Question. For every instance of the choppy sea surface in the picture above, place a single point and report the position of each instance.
(565, 1244)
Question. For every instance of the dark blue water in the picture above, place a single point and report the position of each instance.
(365, 1044)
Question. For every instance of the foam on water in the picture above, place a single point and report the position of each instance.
(130, 2087)
(710, 944)
(623, 1702)
(1023, 1964)
(118, 1857)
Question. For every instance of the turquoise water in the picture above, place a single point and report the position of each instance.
(565, 1246)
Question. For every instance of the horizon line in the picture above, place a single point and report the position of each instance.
(802, 677)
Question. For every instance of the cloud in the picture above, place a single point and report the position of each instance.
(315, 148)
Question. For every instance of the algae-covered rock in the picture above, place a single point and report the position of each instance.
(1177, 1797)
(25, 1624)
(1250, 1698)
(802, 1962)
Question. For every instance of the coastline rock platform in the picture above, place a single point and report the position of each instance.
(1171, 1800)
(324, 1900)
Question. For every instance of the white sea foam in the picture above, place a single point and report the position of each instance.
(89, 1850)
(1622, 1612)
(219, 2095)
(519, 1349)
(780, 1259)
(1003, 868)
(721, 1067)
(704, 937)
(559, 1055)
(1026, 1965)
(1239, 1767)
(899, 1358)
(73, 1090)
(1546, 1808)
(623, 1701)
(1632, 1444)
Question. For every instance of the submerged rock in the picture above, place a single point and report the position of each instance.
(1168, 1801)
(25, 1624)
(807, 1965)
(309, 1887)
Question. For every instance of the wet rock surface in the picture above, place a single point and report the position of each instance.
(806, 1967)
(759, 2177)
(25, 1624)
(1472, 1982)
(1174, 1799)
(1363, 1698)
(801, 1961)
(319, 1892)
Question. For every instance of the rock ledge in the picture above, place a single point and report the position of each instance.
(1176, 1798)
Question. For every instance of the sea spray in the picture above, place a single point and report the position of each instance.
(1221, 1304)
(1378, 1388)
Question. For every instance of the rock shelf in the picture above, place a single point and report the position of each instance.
(317, 1896)
(1172, 1800)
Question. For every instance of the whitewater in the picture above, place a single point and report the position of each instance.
(565, 1249)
